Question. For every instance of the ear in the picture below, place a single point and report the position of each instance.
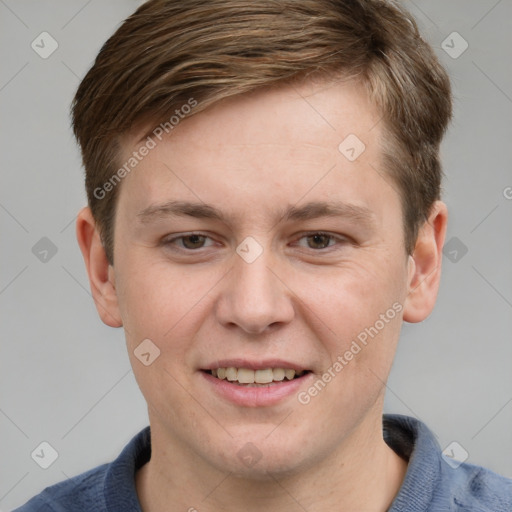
(425, 265)
(101, 273)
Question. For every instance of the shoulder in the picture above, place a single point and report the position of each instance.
(474, 488)
(82, 492)
(435, 482)
(107, 487)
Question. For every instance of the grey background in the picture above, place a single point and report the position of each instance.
(66, 378)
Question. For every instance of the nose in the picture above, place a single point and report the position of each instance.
(254, 296)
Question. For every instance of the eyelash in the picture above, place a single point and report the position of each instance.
(340, 239)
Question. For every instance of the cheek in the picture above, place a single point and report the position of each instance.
(349, 299)
(166, 305)
(173, 306)
(158, 301)
(358, 316)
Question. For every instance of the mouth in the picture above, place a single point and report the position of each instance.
(265, 377)
(255, 383)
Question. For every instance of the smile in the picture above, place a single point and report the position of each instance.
(265, 384)
(256, 378)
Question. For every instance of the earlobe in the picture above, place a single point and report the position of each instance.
(100, 272)
(425, 267)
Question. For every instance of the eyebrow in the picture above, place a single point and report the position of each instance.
(309, 211)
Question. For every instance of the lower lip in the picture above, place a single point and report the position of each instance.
(246, 396)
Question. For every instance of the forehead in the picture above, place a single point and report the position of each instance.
(313, 139)
(310, 118)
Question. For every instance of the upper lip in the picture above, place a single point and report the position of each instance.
(255, 365)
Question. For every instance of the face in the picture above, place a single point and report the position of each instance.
(249, 239)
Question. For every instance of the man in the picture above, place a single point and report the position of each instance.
(264, 213)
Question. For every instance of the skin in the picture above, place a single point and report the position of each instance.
(251, 156)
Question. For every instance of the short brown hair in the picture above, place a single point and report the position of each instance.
(170, 51)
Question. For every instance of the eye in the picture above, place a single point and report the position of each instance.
(321, 240)
(317, 241)
(191, 242)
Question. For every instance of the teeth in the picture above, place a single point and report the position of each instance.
(264, 376)
(248, 376)
(278, 374)
(231, 374)
(245, 376)
(289, 374)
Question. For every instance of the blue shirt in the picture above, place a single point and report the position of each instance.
(431, 483)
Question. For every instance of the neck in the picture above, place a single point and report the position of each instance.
(362, 474)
